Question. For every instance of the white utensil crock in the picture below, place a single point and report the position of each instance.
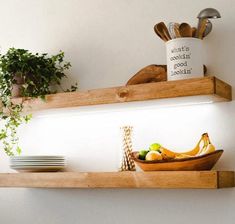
(184, 58)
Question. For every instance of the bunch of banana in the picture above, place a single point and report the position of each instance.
(208, 147)
(203, 147)
(158, 152)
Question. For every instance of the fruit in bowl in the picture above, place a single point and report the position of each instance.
(154, 147)
(158, 152)
(153, 155)
(202, 157)
(142, 154)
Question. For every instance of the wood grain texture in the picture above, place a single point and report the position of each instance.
(160, 179)
(225, 179)
(150, 73)
(202, 28)
(222, 89)
(204, 162)
(213, 88)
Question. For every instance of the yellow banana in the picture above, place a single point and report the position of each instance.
(201, 152)
(182, 156)
(168, 153)
(208, 147)
(205, 143)
(193, 152)
(200, 149)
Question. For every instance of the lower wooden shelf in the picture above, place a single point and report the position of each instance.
(160, 179)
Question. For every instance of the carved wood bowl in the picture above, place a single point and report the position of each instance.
(204, 162)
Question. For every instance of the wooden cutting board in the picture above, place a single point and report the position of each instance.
(151, 73)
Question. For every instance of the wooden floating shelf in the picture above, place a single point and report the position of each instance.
(212, 88)
(158, 179)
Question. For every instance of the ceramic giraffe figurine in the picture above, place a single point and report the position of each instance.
(127, 163)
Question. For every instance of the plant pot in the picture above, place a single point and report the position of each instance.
(15, 91)
(16, 88)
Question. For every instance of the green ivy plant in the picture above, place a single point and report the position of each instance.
(38, 75)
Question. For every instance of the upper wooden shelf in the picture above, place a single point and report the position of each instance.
(160, 179)
(211, 88)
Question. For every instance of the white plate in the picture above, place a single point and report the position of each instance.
(38, 168)
(19, 158)
(36, 157)
(11, 162)
(37, 164)
(37, 160)
(19, 165)
(41, 161)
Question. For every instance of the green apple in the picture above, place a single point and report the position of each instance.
(142, 154)
(154, 147)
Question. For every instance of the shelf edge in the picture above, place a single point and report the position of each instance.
(209, 85)
(121, 180)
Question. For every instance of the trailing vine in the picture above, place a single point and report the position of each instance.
(35, 75)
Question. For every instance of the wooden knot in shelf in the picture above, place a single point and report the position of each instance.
(123, 93)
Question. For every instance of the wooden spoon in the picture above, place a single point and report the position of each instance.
(185, 30)
(161, 27)
(171, 29)
(165, 30)
(176, 30)
(194, 31)
(160, 34)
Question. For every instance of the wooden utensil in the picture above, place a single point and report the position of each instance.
(202, 28)
(165, 30)
(194, 31)
(206, 14)
(185, 30)
(160, 34)
(204, 162)
(161, 30)
(150, 73)
(171, 29)
(176, 30)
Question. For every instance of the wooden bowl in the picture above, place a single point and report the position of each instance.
(204, 162)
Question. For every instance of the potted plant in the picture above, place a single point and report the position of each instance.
(25, 74)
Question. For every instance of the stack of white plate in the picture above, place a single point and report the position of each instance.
(37, 163)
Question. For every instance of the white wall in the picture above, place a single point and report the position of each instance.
(108, 41)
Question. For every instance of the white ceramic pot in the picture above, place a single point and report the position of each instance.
(184, 58)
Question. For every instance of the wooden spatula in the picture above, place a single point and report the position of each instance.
(185, 30)
(201, 28)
